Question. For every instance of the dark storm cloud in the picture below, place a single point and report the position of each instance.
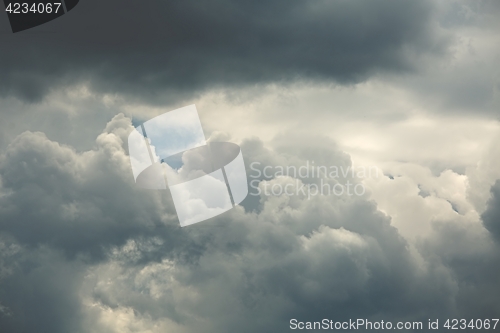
(148, 48)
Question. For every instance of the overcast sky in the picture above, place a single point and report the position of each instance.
(411, 88)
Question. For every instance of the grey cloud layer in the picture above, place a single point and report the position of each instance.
(82, 250)
(76, 233)
(147, 48)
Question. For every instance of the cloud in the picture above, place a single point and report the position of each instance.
(83, 250)
(491, 216)
(149, 49)
(39, 290)
(73, 201)
(123, 264)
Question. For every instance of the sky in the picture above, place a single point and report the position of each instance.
(410, 89)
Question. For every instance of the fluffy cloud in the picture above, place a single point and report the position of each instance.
(55, 196)
(97, 255)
